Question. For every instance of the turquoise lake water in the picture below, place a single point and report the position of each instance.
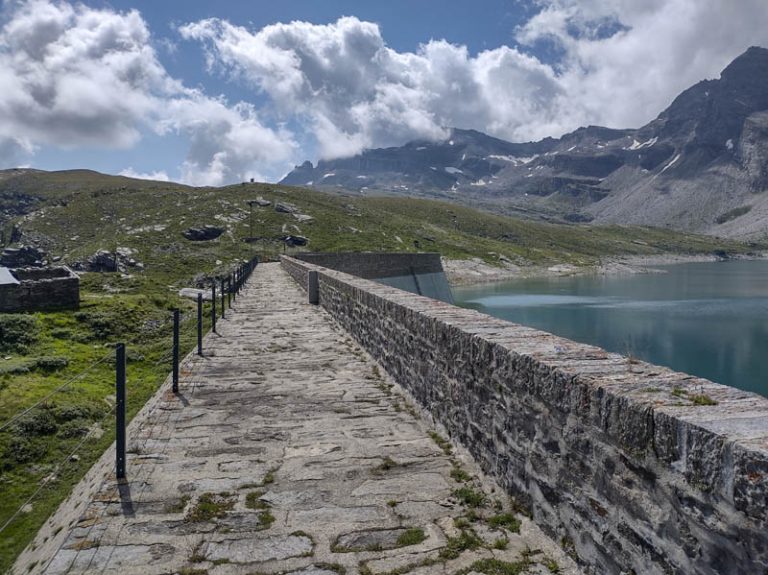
(707, 319)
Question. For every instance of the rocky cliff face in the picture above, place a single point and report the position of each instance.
(701, 165)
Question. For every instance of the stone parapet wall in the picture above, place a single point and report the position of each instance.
(41, 289)
(376, 265)
(621, 460)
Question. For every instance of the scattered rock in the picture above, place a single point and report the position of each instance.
(191, 293)
(106, 261)
(286, 208)
(203, 234)
(303, 217)
(292, 241)
(23, 256)
(261, 202)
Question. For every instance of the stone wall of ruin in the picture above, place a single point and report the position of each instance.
(41, 289)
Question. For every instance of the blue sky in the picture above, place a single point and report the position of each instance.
(211, 93)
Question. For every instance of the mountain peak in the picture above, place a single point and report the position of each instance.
(754, 61)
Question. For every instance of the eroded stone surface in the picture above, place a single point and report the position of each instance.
(298, 439)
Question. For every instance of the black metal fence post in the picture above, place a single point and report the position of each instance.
(176, 351)
(213, 307)
(120, 411)
(199, 323)
(223, 300)
(229, 291)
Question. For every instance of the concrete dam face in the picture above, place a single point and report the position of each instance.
(615, 458)
(421, 274)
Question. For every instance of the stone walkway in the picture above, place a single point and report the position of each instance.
(289, 451)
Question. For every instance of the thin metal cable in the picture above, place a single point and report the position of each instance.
(55, 391)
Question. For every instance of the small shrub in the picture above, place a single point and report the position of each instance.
(506, 520)
(18, 369)
(18, 332)
(459, 475)
(61, 333)
(50, 364)
(74, 428)
(470, 497)
(24, 450)
(37, 422)
(70, 412)
(464, 542)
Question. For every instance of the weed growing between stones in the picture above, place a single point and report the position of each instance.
(412, 536)
(335, 567)
(506, 520)
(694, 398)
(211, 506)
(470, 497)
(252, 500)
(551, 565)
(466, 541)
(266, 519)
(569, 547)
(178, 506)
(441, 442)
(386, 464)
(500, 543)
(497, 567)
(459, 475)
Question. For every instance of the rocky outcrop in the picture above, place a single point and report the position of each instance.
(24, 256)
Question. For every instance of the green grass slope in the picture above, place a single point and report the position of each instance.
(73, 220)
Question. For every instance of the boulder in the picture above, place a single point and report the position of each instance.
(203, 234)
(286, 208)
(261, 202)
(102, 261)
(293, 241)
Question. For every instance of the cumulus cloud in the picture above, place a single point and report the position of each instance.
(227, 143)
(158, 176)
(77, 76)
(621, 62)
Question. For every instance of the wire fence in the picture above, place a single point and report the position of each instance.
(59, 389)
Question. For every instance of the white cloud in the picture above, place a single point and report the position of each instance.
(76, 76)
(622, 62)
(158, 176)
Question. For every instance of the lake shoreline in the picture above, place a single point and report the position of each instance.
(461, 273)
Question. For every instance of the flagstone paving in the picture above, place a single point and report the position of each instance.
(288, 450)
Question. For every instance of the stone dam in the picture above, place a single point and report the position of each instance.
(383, 432)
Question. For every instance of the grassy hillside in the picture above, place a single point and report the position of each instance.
(72, 215)
(82, 212)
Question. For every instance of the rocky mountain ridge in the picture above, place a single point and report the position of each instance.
(701, 165)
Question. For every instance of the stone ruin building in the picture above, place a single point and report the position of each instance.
(35, 289)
